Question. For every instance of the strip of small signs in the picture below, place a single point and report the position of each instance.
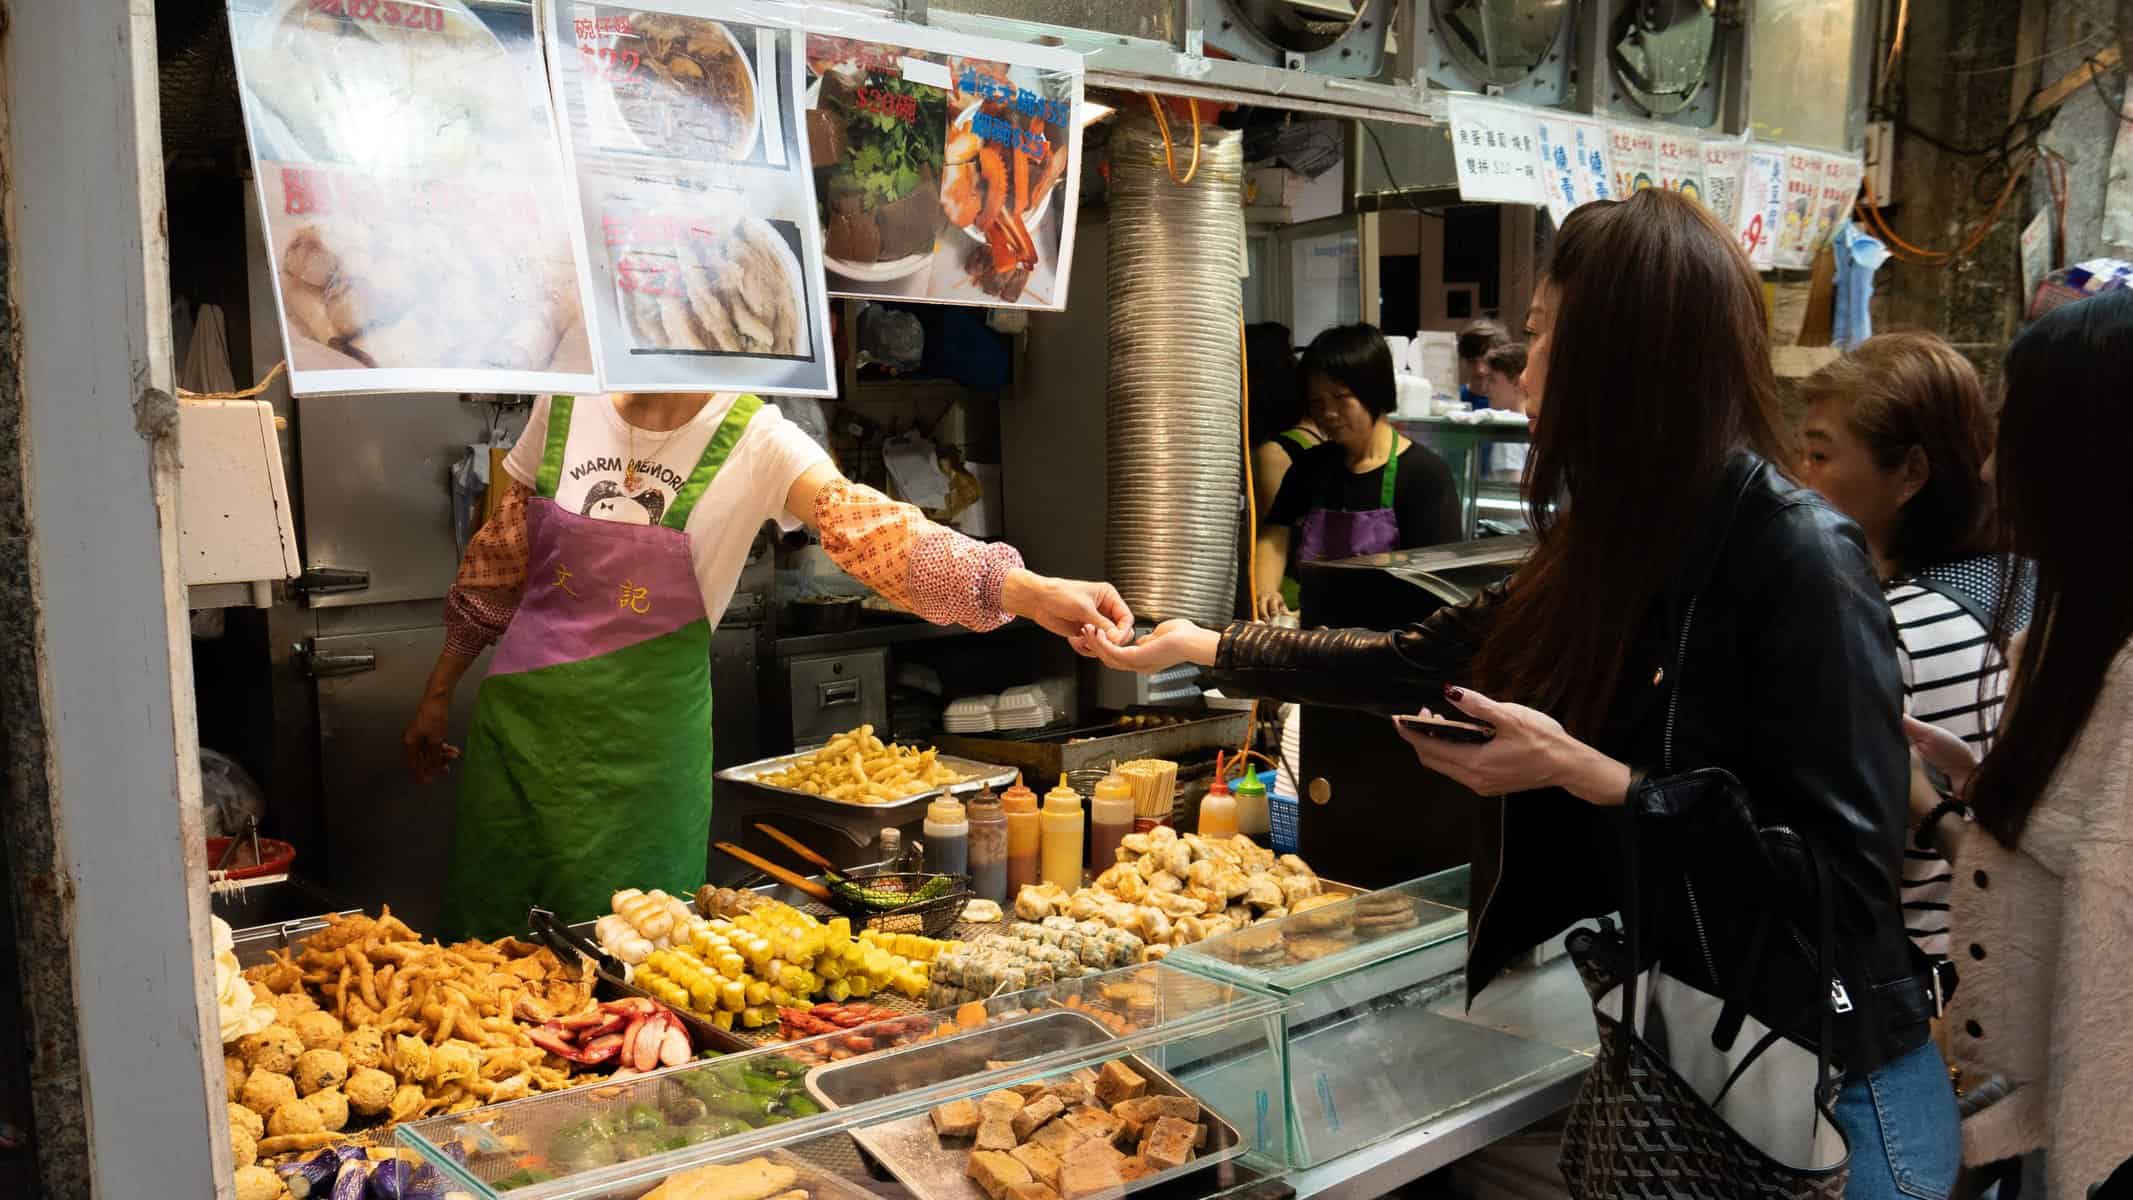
(1781, 202)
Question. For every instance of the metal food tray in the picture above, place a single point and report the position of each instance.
(910, 1150)
(979, 775)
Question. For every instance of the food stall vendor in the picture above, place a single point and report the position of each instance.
(1366, 489)
(609, 561)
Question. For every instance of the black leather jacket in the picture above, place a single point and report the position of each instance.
(1789, 681)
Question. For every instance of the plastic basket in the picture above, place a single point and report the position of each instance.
(1280, 816)
(932, 918)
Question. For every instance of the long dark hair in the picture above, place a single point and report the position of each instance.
(1357, 358)
(1905, 390)
(1277, 391)
(2061, 477)
(1658, 370)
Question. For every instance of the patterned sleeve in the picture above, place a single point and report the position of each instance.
(892, 548)
(485, 594)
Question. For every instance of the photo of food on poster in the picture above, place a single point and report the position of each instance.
(946, 167)
(411, 195)
(696, 230)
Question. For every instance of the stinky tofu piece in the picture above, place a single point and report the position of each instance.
(957, 1119)
(1035, 1114)
(1058, 1137)
(996, 1133)
(996, 1173)
(1134, 1168)
(1169, 1143)
(1029, 1091)
(1072, 1092)
(1117, 1082)
(1146, 1109)
(1001, 1105)
(1031, 1191)
(1091, 1169)
(1095, 1124)
(1042, 1164)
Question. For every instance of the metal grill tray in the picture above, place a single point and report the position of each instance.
(910, 1150)
(979, 775)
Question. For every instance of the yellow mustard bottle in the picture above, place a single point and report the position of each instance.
(1060, 854)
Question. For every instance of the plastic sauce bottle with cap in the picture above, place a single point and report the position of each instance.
(1060, 863)
(988, 847)
(1251, 803)
(1110, 820)
(1218, 809)
(1023, 834)
(947, 838)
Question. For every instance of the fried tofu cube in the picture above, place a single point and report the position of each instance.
(996, 1133)
(1035, 1114)
(1029, 1091)
(1134, 1168)
(1169, 1143)
(1095, 1124)
(1117, 1082)
(1001, 1105)
(996, 1173)
(1042, 1164)
(1031, 1191)
(1058, 1137)
(1091, 1169)
(957, 1119)
(1072, 1092)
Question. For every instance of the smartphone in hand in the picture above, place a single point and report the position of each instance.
(1470, 732)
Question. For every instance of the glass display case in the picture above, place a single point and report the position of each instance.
(1064, 1089)
(1373, 1035)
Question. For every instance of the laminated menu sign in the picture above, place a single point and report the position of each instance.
(699, 250)
(1762, 204)
(1837, 187)
(1498, 151)
(1634, 155)
(1796, 242)
(1573, 163)
(1679, 157)
(946, 167)
(412, 196)
(1722, 159)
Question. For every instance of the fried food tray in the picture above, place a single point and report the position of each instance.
(976, 775)
(909, 1150)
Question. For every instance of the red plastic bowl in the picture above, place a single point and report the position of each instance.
(277, 853)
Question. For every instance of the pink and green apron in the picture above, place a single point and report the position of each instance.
(1327, 534)
(588, 767)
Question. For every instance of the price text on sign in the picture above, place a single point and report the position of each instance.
(610, 63)
(394, 13)
(889, 104)
(652, 272)
(307, 192)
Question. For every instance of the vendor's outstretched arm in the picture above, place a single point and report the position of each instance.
(483, 597)
(941, 575)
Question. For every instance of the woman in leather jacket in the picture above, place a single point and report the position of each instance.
(1686, 607)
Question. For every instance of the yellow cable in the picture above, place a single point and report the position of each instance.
(1162, 125)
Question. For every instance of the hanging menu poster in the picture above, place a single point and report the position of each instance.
(1803, 188)
(411, 195)
(1679, 157)
(1836, 189)
(947, 168)
(1722, 159)
(1497, 148)
(1762, 203)
(1573, 163)
(1593, 145)
(696, 231)
(1635, 159)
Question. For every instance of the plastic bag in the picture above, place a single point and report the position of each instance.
(228, 794)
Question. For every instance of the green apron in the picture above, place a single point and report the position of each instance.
(588, 767)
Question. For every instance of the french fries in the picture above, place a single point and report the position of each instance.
(858, 768)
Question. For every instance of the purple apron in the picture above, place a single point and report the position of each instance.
(1327, 534)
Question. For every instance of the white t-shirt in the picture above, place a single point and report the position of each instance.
(762, 467)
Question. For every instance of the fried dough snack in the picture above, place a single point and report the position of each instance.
(447, 1017)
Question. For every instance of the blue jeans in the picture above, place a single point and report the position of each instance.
(1907, 1141)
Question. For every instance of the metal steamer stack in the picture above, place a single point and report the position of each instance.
(1176, 253)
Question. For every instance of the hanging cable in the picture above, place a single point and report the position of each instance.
(1162, 124)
